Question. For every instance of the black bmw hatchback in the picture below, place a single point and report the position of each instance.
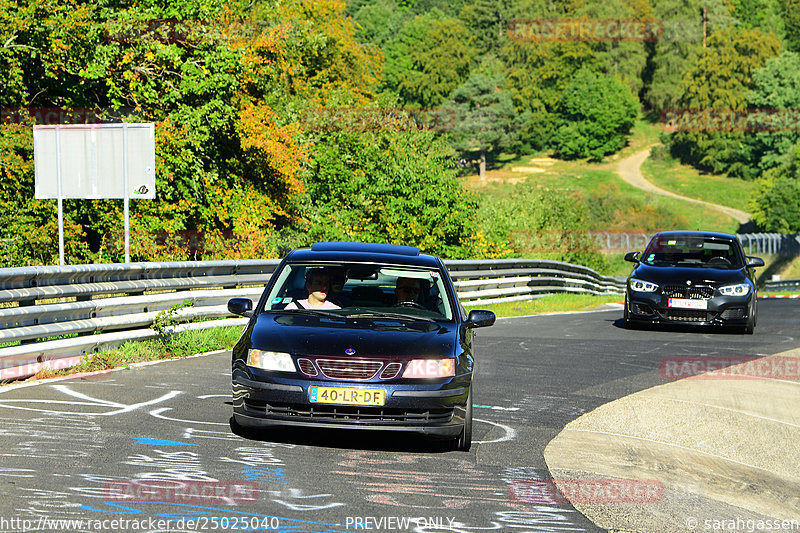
(357, 336)
(692, 277)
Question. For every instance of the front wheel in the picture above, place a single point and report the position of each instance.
(750, 326)
(464, 440)
(626, 317)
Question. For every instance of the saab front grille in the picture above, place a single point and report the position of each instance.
(357, 369)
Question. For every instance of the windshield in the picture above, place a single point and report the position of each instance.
(360, 290)
(692, 250)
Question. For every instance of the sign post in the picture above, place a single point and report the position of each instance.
(95, 161)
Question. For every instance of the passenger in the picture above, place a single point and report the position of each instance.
(407, 290)
(338, 279)
(318, 285)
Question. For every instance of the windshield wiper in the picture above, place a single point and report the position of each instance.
(391, 315)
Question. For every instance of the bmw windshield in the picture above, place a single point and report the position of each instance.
(693, 251)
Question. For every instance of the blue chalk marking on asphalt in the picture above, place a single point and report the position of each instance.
(162, 442)
(495, 407)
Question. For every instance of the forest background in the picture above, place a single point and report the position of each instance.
(284, 122)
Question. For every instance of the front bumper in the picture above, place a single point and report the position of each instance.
(653, 308)
(436, 409)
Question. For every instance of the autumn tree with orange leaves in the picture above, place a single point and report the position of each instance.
(226, 85)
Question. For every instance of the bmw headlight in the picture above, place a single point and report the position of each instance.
(277, 361)
(639, 285)
(740, 289)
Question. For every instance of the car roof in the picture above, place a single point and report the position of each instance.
(363, 252)
(687, 233)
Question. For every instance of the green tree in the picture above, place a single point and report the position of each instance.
(428, 59)
(483, 117)
(721, 79)
(790, 15)
(224, 83)
(594, 117)
(626, 58)
(378, 22)
(776, 201)
(673, 53)
(487, 22)
(388, 185)
(776, 88)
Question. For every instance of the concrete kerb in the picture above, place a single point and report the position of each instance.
(724, 450)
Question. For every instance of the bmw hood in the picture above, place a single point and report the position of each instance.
(356, 337)
(680, 275)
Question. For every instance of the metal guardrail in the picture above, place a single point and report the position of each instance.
(771, 243)
(95, 307)
(782, 285)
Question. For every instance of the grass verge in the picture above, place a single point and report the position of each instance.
(178, 346)
(672, 176)
(553, 303)
(208, 340)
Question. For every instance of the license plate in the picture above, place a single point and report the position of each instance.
(346, 396)
(684, 303)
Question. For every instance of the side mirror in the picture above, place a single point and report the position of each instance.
(754, 262)
(241, 306)
(632, 257)
(478, 319)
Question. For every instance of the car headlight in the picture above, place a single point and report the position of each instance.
(740, 289)
(430, 368)
(277, 361)
(642, 286)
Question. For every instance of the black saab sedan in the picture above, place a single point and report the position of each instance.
(692, 277)
(357, 336)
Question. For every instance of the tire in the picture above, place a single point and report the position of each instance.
(750, 326)
(626, 318)
(464, 441)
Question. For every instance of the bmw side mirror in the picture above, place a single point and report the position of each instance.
(241, 306)
(478, 319)
(632, 257)
(754, 262)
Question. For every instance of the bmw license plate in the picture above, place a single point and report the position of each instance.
(346, 396)
(685, 303)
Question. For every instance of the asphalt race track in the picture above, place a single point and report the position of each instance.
(151, 448)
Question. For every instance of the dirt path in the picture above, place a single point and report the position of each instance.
(629, 169)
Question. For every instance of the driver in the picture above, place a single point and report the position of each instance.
(318, 285)
(407, 290)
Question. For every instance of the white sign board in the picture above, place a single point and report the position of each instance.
(93, 161)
